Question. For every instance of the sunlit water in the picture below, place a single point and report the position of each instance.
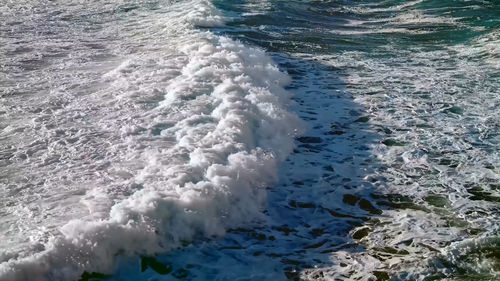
(168, 129)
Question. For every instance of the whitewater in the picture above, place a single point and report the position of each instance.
(249, 140)
(153, 134)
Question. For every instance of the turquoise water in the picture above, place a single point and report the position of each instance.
(143, 141)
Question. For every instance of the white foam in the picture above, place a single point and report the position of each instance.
(187, 132)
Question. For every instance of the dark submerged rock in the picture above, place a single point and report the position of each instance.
(306, 139)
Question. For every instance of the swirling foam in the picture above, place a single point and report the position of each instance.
(194, 127)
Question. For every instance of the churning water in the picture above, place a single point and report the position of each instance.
(249, 140)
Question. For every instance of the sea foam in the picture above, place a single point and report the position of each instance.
(193, 164)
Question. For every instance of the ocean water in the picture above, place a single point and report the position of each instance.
(249, 140)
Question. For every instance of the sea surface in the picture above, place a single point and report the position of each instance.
(249, 140)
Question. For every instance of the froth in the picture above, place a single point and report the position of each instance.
(196, 129)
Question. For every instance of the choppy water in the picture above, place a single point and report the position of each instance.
(166, 129)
